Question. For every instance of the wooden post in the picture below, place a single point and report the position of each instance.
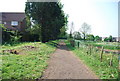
(90, 49)
(101, 54)
(78, 44)
(111, 60)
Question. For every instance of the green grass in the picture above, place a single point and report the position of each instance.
(106, 45)
(110, 46)
(102, 69)
(27, 66)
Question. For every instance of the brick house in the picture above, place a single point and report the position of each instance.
(13, 20)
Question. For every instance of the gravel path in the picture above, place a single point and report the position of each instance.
(63, 64)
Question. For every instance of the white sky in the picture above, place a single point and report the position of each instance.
(102, 15)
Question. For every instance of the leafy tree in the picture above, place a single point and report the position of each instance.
(9, 36)
(49, 17)
(106, 39)
(97, 38)
(90, 37)
(63, 33)
(85, 29)
(110, 38)
(77, 35)
(15, 36)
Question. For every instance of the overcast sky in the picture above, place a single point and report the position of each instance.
(102, 15)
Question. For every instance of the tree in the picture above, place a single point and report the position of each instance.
(90, 37)
(10, 36)
(97, 38)
(63, 33)
(85, 29)
(71, 29)
(49, 18)
(77, 35)
(110, 38)
(106, 39)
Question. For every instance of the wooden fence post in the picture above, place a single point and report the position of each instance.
(111, 60)
(101, 54)
(78, 44)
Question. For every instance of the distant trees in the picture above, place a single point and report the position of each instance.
(108, 39)
(46, 19)
(90, 37)
(97, 38)
(77, 35)
(71, 29)
(85, 29)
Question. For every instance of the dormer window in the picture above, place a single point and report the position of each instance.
(14, 23)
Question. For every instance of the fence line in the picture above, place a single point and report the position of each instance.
(91, 50)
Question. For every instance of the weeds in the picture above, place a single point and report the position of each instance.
(28, 66)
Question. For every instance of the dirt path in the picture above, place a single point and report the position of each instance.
(63, 64)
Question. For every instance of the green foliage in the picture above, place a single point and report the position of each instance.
(97, 38)
(28, 66)
(63, 33)
(49, 16)
(110, 38)
(106, 39)
(5, 34)
(90, 37)
(9, 36)
(102, 69)
(14, 37)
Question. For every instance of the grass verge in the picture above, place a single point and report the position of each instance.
(102, 69)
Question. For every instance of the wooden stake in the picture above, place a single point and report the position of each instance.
(111, 60)
(78, 44)
(101, 54)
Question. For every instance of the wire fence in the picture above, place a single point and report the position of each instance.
(95, 52)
